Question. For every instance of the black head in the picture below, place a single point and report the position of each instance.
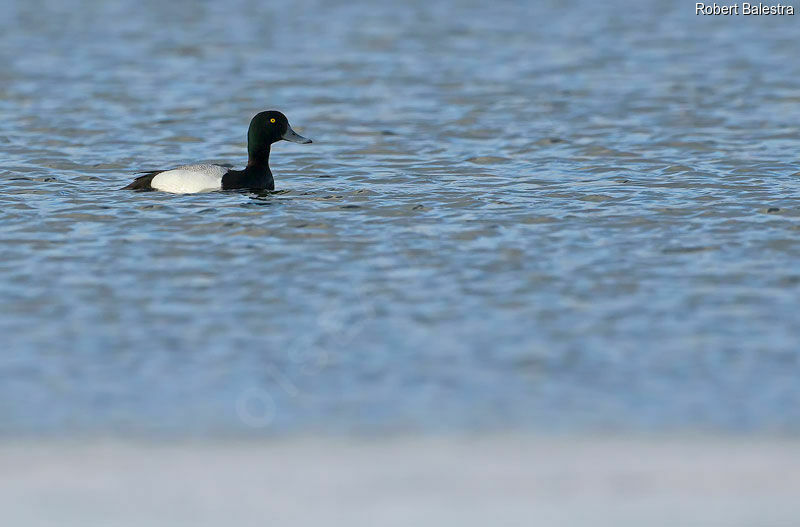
(270, 127)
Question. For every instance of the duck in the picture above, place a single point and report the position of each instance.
(266, 128)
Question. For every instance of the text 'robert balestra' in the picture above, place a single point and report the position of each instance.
(747, 9)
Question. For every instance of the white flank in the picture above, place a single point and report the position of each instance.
(189, 179)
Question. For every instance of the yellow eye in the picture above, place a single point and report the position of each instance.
(272, 120)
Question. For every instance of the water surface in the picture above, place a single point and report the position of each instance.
(552, 216)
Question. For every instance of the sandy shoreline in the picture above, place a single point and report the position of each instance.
(437, 481)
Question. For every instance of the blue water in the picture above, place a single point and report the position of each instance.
(560, 216)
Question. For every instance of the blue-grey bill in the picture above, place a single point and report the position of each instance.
(291, 135)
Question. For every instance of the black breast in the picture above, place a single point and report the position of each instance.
(251, 178)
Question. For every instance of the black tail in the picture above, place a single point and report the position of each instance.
(143, 182)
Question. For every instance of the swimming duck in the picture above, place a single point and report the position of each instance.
(265, 128)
